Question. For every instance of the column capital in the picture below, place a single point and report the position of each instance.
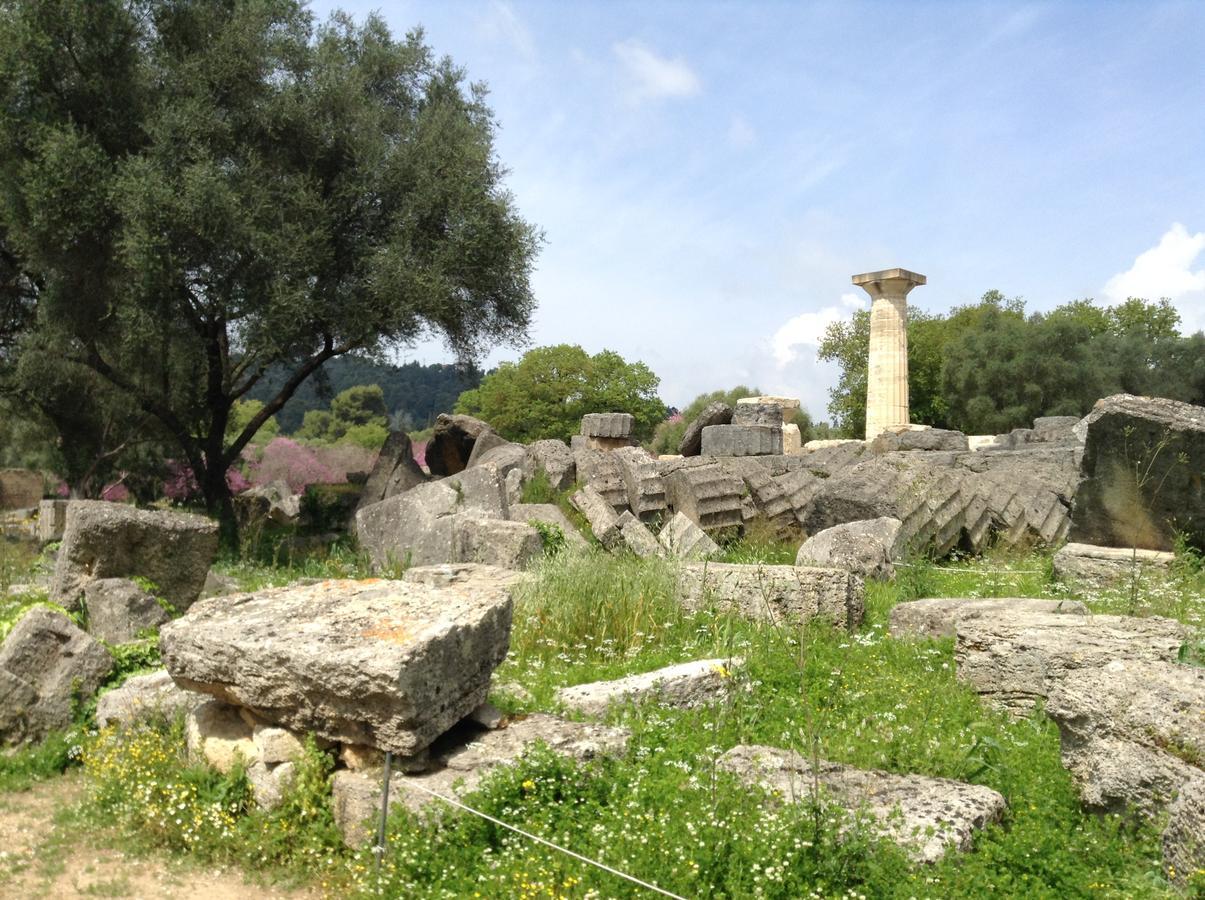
(888, 282)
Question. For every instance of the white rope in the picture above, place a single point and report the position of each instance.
(547, 843)
(972, 571)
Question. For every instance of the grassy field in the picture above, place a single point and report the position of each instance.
(663, 812)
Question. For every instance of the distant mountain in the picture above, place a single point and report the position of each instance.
(414, 393)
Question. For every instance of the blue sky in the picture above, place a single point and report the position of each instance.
(710, 175)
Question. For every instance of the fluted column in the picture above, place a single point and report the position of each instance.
(887, 368)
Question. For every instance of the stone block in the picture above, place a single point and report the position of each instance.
(274, 502)
(52, 520)
(602, 471)
(767, 414)
(925, 816)
(938, 617)
(683, 539)
(110, 540)
(451, 444)
(550, 514)
(46, 663)
(120, 611)
(682, 686)
(692, 439)
(608, 425)
(394, 472)
(867, 548)
(792, 440)
(643, 483)
(495, 542)
(914, 438)
(386, 664)
(143, 698)
(634, 536)
(554, 459)
(1104, 564)
(219, 736)
(704, 491)
(604, 523)
(270, 783)
(741, 440)
(788, 405)
(775, 593)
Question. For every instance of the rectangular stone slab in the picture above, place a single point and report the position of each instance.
(386, 664)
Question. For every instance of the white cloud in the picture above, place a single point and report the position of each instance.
(654, 76)
(741, 133)
(501, 23)
(807, 329)
(1163, 271)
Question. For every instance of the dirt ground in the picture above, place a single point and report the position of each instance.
(40, 857)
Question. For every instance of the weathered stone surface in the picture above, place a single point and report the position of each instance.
(608, 425)
(799, 487)
(775, 593)
(274, 501)
(46, 662)
(469, 575)
(754, 413)
(683, 539)
(914, 438)
(865, 548)
(217, 585)
(1142, 479)
(495, 542)
(451, 444)
(383, 663)
(395, 471)
(604, 524)
(549, 514)
(110, 540)
(462, 759)
(925, 816)
(218, 735)
(119, 610)
(1183, 846)
(145, 697)
(555, 459)
(20, 489)
(504, 458)
(423, 525)
(486, 441)
(270, 783)
(741, 440)
(1055, 429)
(826, 458)
(1016, 658)
(600, 470)
(274, 744)
(708, 493)
(642, 481)
(1132, 732)
(771, 498)
(792, 440)
(938, 617)
(692, 439)
(1091, 563)
(1019, 495)
(52, 520)
(634, 536)
(788, 405)
(681, 686)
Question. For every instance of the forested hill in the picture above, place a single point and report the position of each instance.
(413, 392)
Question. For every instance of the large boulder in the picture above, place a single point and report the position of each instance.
(395, 471)
(865, 548)
(503, 457)
(692, 439)
(1015, 657)
(121, 611)
(554, 459)
(775, 593)
(145, 697)
(452, 440)
(385, 664)
(47, 665)
(274, 501)
(938, 617)
(110, 540)
(496, 542)
(1142, 480)
(925, 816)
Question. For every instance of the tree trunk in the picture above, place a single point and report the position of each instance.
(220, 504)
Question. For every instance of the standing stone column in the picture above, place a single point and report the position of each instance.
(887, 371)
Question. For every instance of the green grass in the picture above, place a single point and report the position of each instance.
(663, 811)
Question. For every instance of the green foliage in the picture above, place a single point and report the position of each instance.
(241, 414)
(198, 192)
(22, 768)
(357, 416)
(988, 367)
(547, 392)
(538, 489)
(551, 535)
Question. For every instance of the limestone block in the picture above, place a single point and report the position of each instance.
(775, 593)
(387, 664)
(1166, 440)
(270, 783)
(549, 514)
(1183, 848)
(145, 697)
(683, 539)
(218, 735)
(753, 413)
(1055, 429)
(792, 440)
(504, 458)
(394, 472)
(469, 575)
(52, 520)
(600, 470)
(925, 816)
(692, 439)
(769, 497)
(495, 542)
(451, 444)
(913, 438)
(46, 662)
(274, 501)
(643, 483)
(274, 744)
(1015, 658)
(636, 537)
(555, 459)
(741, 440)
(604, 524)
(866, 548)
(111, 540)
(121, 611)
(788, 405)
(708, 493)
(682, 686)
(608, 425)
(938, 617)
(1103, 564)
